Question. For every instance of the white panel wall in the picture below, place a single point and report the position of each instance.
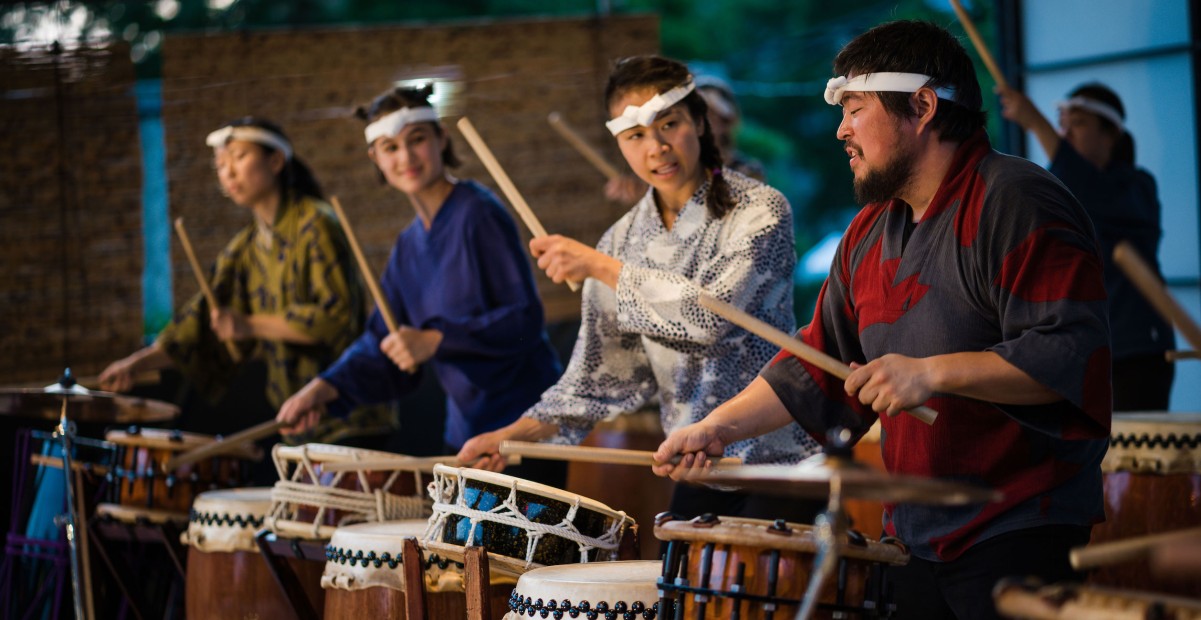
(1157, 91)
(1058, 30)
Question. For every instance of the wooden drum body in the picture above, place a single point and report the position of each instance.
(227, 576)
(1152, 486)
(763, 568)
(364, 575)
(608, 590)
(139, 479)
(523, 524)
(311, 502)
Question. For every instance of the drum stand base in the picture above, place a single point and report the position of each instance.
(275, 551)
(106, 530)
(22, 551)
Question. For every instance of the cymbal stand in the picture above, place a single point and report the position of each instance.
(830, 529)
(65, 432)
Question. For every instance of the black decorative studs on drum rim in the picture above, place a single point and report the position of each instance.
(620, 610)
(342, 556)
(225, 520)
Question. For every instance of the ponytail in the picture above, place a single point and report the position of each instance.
(298, 181)
(720, 201)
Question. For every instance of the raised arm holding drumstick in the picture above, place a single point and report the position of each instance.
(460, 287)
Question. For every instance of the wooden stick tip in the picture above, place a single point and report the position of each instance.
(553, 118)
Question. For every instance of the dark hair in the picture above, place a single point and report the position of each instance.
(927, 49)
(663, 74)
(396, 98)
(296, 179)
(1123, 146)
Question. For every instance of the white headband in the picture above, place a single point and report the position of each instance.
(881, 82)
(646, 113)
(390, 125)
(717, 102)
(257, 135)
(1104, 110)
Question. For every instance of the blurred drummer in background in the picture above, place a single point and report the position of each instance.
(286, 283)
(1093, 154)
(700, 227)
(460, 286)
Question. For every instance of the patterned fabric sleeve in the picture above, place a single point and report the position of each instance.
(815, 398)
(756, 252)
(608, 372)
(190, 342)
(324, 311)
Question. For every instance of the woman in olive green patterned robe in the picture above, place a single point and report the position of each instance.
(285, 283)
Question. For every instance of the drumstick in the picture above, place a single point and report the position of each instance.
(204, 284)
(364, 268)
(400, 462)
(1092, 556)
(227, 444)
(385, 311)
(556, 120)
(977, 41)
(795, 347)
(586, 454)
(1176, 356)
(142, 378)
(1145, 280)
(1015, 601)
(506, 184)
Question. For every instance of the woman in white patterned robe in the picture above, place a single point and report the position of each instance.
(699, 228)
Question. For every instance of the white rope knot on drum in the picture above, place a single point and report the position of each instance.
(442, 490)
(291, 492)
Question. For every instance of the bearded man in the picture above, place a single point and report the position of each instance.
(971, 282)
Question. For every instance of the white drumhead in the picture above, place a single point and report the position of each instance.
(252, 500)
(368, 555)
(609, 582)
(383, 536)
(226, 520)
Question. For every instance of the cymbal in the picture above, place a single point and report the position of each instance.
(83, 405)
(812, 479)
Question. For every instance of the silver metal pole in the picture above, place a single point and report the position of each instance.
(66, 435)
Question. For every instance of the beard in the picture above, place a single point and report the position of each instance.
(887, 182)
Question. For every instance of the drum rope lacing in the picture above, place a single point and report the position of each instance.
(443, 489)
(291, 492)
